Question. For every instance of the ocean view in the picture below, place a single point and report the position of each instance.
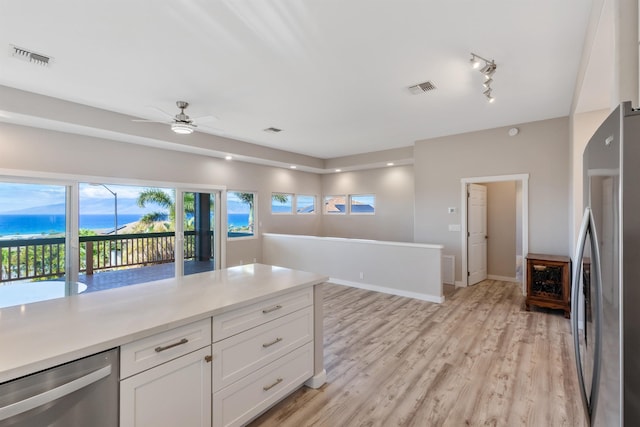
(11, 225)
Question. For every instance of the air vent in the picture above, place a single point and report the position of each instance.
(272, 130)
(30, 56)
(422, 87)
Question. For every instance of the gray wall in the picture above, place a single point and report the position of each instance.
(33, 149)
(501, 229)
(541, 149)
(394, 189)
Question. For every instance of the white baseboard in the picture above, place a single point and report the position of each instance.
(391, 291)
(460, 284)
(317, 380)
(502, 278)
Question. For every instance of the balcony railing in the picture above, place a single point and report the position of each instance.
(45, 257)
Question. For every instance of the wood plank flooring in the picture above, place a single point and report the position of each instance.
(478, 359)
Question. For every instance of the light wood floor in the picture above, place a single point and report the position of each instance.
(478, 359)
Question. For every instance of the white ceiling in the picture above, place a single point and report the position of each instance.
(333, 74)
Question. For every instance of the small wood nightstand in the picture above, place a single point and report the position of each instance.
(549, 282)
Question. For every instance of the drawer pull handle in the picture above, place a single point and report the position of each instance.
(269, 387)
(269, 310)
(175, 344)
(269, 344)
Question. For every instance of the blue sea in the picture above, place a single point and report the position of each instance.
(49, 224)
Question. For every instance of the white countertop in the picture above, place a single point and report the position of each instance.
(44, 334)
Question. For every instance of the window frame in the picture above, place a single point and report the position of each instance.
(292, 200)
(351, 196)
(254, 234)
(334, 196)
(315, 204)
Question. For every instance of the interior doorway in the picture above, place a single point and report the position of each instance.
(521, 233)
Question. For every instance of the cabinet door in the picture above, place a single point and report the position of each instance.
(176, 393)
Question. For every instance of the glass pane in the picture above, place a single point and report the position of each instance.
(127, 235)
(363, 204)
(335, 205)
(199, 232)
(32, 243)
(240, 214)
(281, 203)
(305, 204)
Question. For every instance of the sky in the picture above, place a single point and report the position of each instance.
(19, 196)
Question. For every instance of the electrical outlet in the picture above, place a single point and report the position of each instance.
(255, 260)
(361, 275)
(241, 262)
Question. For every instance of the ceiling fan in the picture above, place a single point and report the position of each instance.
(181, 123)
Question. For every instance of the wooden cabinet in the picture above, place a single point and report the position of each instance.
(549, 282)
(166, 378)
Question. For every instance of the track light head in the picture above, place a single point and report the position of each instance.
(487, 83)
(487, 92)
(475, 61)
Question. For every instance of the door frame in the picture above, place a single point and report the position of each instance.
(524, 209)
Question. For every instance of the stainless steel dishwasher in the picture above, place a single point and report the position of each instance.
(80, 393)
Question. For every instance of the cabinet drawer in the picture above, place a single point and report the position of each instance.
(156, 349)
(248, 397)
(239, 355)
(233, 322)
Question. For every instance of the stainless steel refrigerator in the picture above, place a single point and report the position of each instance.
(606, 274)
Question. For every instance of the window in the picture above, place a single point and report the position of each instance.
(305, 204)
(363, 204)
(61, 239)
(33, 225)
(199, 243)
(335, 205)
(241, 209)
(281, 203)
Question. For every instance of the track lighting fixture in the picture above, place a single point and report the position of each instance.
(488, 70)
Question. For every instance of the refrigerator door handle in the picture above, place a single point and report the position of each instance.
(587, 229)
(575, 295)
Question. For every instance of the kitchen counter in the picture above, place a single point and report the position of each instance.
(44, 334)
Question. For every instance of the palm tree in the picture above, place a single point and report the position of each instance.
(247, 198)
(163, 200)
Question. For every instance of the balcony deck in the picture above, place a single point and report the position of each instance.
(132, 276)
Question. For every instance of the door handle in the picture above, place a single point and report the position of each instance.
(53, 394)
(587, 228)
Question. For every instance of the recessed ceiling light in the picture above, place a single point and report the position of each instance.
(390, 164)
(293, 167)
(228, 157)
(338, 170)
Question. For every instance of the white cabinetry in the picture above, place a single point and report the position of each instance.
(261, 353)
(166, 378)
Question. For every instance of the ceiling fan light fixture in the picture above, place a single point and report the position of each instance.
(182, 128)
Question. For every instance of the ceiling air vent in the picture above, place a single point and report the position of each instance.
(422, 87)
(30, 56)
(272, 130)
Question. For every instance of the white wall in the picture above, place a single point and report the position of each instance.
(398, 268)
(541, 149)
(394, 191)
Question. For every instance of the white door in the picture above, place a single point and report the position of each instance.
(477, 233)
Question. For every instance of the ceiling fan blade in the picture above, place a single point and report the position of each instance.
(160, 110)
(209, 118)
(149, 121)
